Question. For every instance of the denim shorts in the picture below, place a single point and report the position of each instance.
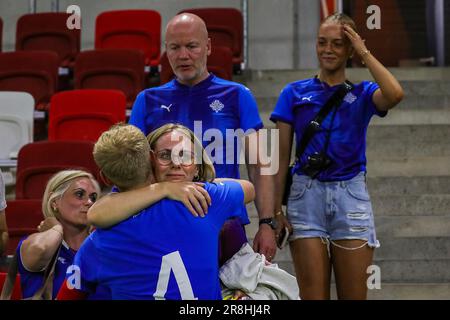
(337, 210)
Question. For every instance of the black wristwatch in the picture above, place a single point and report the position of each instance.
(269, 221)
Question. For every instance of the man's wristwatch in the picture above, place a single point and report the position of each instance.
(269, 221)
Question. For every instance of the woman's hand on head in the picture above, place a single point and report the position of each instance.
(192, 194)
(357, 43)
(48, 223)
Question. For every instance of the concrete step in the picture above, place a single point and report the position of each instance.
(401, 206)
(415, 226)
(402, 272)
(419, 271)
(353, 74)
(395, 227)
(408, 141)
(411, 205)
(397, 116)
(398, 270)
(417, 94)
(414, 248)
(418, 166)
(411, 186)
(396, 290)
(409, 291)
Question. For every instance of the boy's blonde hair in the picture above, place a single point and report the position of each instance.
(58, 185)
(206, 170)
(123, 155)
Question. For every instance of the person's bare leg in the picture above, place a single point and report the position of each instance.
(350, 268)
(312, 268)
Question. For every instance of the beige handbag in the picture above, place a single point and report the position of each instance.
(44, 292)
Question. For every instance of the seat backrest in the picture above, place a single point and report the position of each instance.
(48, 31)
(219, 63)
(17, 291)
(16, 122)
(35, 72)
(38, 161)
(225, 28)
(130, 29)
(22, 219)
(119, 69)
(85, 114)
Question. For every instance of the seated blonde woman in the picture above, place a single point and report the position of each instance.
(67, 198)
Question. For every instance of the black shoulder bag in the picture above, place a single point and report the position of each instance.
(318, 161)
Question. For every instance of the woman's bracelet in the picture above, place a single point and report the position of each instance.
(364, 53)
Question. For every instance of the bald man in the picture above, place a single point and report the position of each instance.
(196, 95)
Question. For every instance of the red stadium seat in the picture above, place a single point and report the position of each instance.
(225, 28)
(48, 31)
(35, 72)
(85, 114)
(17, 291)
(120, 69)
(130, 29)
(22, 219)
(219, 62)
(38, 161)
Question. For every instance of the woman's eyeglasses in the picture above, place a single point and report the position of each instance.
(166, 157)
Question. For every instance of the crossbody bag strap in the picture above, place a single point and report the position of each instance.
(314, 125)
(46, 291)
(10, 280)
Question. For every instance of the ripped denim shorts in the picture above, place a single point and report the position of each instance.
(337, 210)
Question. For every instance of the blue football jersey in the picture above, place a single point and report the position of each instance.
(301, 101)
(163, 252)
(31, 282)
(214, 104)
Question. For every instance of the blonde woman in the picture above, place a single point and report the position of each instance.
(67, 198)
(329, 209)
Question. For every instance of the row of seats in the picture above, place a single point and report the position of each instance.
(128, 29)
(74, 115)
(36, 71)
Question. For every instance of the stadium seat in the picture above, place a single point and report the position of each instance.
(17, 291)
(119, 69)
(225, 28)
(48, 31)
(22, 219)
(38, 161)
(35, 72)
(130, 29)
(85, 114)
(219, 62)
(16, 122)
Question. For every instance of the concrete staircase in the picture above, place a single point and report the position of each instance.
(409, 180)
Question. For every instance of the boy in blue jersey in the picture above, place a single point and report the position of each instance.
(163, 252)
(201, 101)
